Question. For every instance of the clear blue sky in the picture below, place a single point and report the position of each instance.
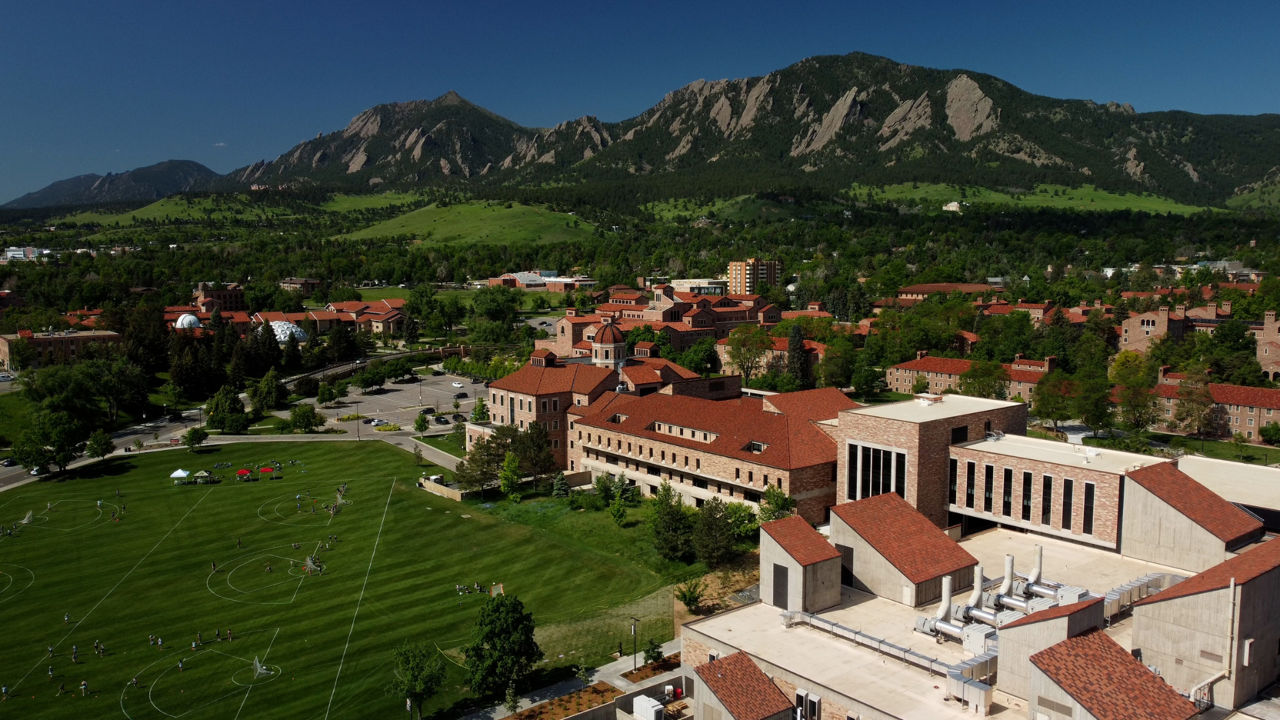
(108, 86)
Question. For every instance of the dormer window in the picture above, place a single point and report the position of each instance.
(756, 446)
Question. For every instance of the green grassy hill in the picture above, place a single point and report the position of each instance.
(181, 208)
(346, 203)
(1086, 197)
(1264, 197)
(482, 223)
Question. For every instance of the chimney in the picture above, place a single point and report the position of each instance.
(1269, 318)
(1226, 307)
(1181, 309)
(1049, 362)
(921, 353)
(1163, 313)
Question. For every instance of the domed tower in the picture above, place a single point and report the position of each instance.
(187, 321)
(609, 347)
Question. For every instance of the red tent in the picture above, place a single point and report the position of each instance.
(266, 469)
(242, 472)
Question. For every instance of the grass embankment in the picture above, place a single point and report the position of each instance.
(391, 575)
(482, 223)
(1085, 197)
(178, 208)
(445, 443)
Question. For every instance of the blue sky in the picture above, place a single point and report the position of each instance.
(106, 87)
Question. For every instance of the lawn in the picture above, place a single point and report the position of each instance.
(390, 575)
(15, 412)
(218, 208)
(347, 203)
(445, 443)
(477, 222)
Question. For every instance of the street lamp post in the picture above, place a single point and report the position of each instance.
(357, 420)
(634, 647)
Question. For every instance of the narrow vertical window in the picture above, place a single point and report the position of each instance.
(1088, 509)
(1046, 501)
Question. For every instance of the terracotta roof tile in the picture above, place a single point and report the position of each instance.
(912, 544)
(1243, 568)
(575, 377)
(1053, 613)
(744, 690)
(930, 288)
(1201, 505)
(804, 544)
(1109, 682)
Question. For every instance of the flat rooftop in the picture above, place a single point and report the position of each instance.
(1060, 453)
(938, 407)
(1242, 483)
(893, 687)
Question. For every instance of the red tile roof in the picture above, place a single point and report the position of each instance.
(785, 426)
(648, 371)
(804, 544)
(744, 690)
(575, 377)
(792, 314)
(1053, 613)
(904, 537)
(931, 288)
(1243, 568)
(1109, 682)
(928, 363)
(541, 353)
(1201, 505)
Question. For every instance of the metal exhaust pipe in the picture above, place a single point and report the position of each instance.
(975, 597)
(1034, 577)
(945, 608)
(1007, 584)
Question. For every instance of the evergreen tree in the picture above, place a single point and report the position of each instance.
(712, 533)
(797, 358)
(670, 523)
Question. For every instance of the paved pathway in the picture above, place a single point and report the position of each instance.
(611, 673)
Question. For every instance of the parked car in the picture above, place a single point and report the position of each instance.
(427, 411)
(460, 395)
(379, 422)
(368, 421)
(8, 462)
(459, 417)
(5, 377)
(476, 381)
(456, 384)
(437, 373)
(442, 420)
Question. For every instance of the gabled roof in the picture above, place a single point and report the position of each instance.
(785, 427)
(904, 537)
(1053, 613)
(1198, 503)
(928, 363)
(649, 371)
(575, 377)
(1109, 682)
(1243, 568)
(744, 690)
(930, 288)
(804, 544)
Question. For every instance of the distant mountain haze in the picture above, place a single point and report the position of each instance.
(831, 120)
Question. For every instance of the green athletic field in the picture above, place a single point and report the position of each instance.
(325, 638)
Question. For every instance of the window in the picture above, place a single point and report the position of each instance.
(969, 480)
(987, 480)
(874, 471)
(1026, 496)
(1067, 484)
(1046, 501)
(555, 424)
(1006, 504)
(1088, 508)
(951, 481)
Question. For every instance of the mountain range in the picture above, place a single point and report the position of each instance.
(828, 121)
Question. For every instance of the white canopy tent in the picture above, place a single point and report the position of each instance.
(179, 473)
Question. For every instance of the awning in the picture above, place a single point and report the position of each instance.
(266, 469)
(202, 474)
(179, 473)
(244, 471)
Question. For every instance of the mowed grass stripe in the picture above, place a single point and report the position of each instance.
(565, 566)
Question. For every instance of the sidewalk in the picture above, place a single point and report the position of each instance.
(610, 673)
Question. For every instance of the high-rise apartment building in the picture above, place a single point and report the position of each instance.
(747, 277)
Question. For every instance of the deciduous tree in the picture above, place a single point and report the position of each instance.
(502, 650)
(418, 674)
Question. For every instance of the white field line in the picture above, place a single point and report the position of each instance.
(118, 583)
(368, 570)
(263, 660)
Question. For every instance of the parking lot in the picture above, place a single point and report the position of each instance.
(400, 403)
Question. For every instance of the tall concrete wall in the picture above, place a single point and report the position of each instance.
(1188, 639)
(1152, 530)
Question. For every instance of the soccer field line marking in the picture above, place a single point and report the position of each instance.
(103, 599)
(354, 615)
(168, 661)
(262, 659)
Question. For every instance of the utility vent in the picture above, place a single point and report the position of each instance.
(928, 399)
(1211, 657)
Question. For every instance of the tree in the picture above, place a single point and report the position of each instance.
(1270, 433)
(712, 533)
(194, 438)
(480, 413)
(100, 444)
(1093, 400)
(866, 379)
(987, 379)
(509, 477)
(747, 345)
(418, 673)
(502, 650)
(559, 486)
(670, 523)
(269, 393)
(618, 509)
(691, 594)
(305, 418)
(798, 358)
(1051, 398)
(422, 423)
(652, 652)
(920, 384)
(775, 504)
(326, 394)
(1196, 412)
(1132, 375)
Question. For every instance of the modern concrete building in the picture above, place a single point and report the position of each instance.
(799, 569)
(1030, 634)
(750, 275)
(733, 688)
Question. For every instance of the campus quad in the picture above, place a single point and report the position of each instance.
(132, 580)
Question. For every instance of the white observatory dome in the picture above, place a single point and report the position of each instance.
(284, 329)
(188, 321)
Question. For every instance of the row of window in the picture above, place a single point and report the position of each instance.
(608, 442)
(519, 403)
(874, 471)
(1044, 513)
(676, 476)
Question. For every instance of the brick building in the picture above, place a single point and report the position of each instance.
(227, 297)
(775, 358)
(707, 441)
(1236, 408)
(944, 374)
(59, 346)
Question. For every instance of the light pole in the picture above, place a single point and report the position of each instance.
(357, 420)
(634, 647)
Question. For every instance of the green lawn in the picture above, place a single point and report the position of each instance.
(15, 413)
(477, 222)
(445, 443)
(180, 208)
(390, 576)
(346, 203)
(1257, 454)
(1085, 197)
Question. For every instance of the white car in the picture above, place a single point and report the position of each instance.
(457, 384)
(5, 377)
